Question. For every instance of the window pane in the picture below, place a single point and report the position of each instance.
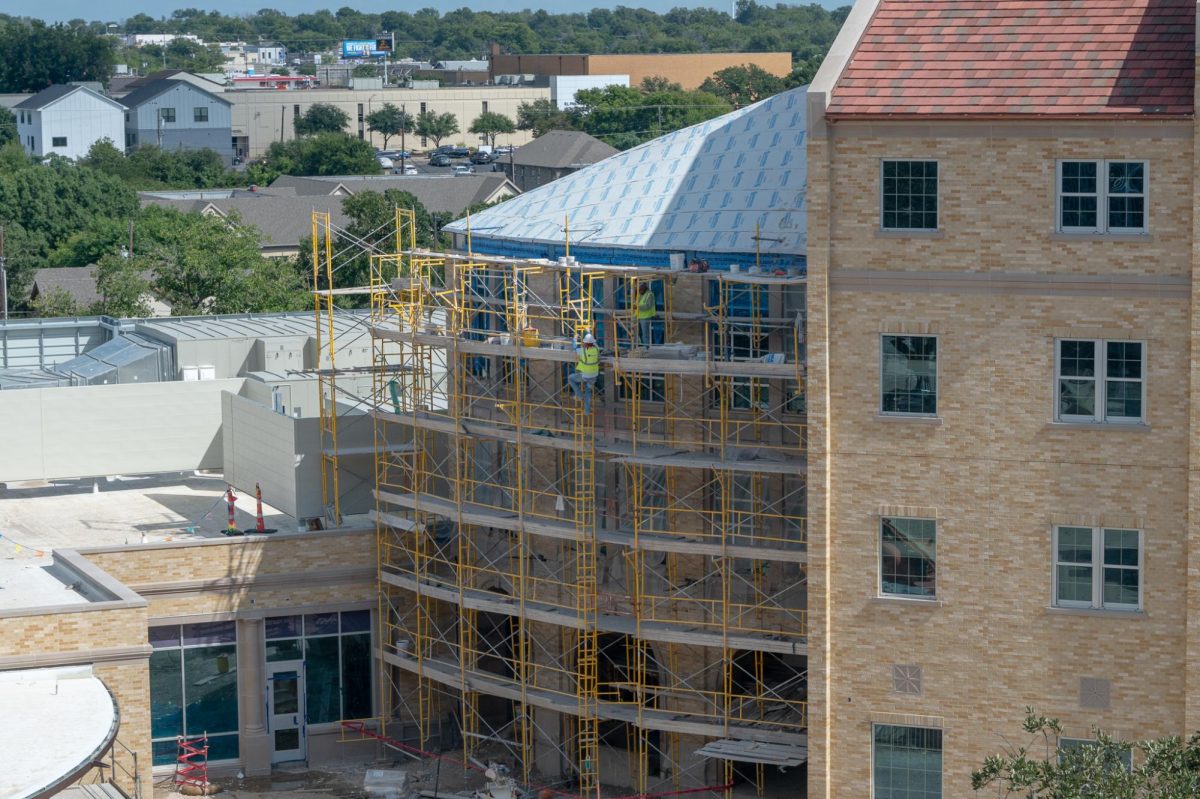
(164, 636)
(1121, 587)
(166, 694)
(1075, 545)
(321, 624)
(165, 752)
(1125, 359)
(356, 675)
(1077, 358)
(909, 374)
(1120, 548)
(1123, 399)
(217, 632)
(210, 675)
(321, 679)
(907, 763)
(286, 649)
(223, 747)
(283, 627)
(1075, 584)
(909, 194)
(908, 557)
(356, 621)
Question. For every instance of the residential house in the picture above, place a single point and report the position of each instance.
(67, 120)
(178, 115)
(79, 284)
(1004, 501)
(553, 155)
(444, 194)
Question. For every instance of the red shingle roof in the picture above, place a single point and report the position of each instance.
(1022, 57)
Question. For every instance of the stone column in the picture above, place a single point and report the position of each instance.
(252, 699)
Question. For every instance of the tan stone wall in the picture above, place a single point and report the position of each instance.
(994, 471)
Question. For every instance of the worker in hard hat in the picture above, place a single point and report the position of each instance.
(646, 311)
(587, 369)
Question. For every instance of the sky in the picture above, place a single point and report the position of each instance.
(64, 10)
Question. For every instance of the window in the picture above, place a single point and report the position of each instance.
(910, 195)
(167, 114)
(906, 762)
(131, 139)
(193, 688)
(485, 110)
(908, 375)
(126, 116)
(1102, 196)
(200, 113)
(908, 558)
(1100, 381)
(1097, 567)
(336, 650)
(58, 141)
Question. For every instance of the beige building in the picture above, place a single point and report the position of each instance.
(1001, 315)
(264, 116)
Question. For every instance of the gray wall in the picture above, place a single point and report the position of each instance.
(184, 133)
(91, 431)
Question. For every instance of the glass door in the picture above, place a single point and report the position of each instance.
(285, 709)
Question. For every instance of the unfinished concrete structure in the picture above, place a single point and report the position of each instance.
(617, 597)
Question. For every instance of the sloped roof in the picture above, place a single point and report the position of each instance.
(282, 219)
(1021, 57)
(77, 281)
(700, 188)
(561, 149)
(149, 91)
(450, 194)
(53, 94)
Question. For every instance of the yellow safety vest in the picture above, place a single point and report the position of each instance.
(645, 307)
(589, 361)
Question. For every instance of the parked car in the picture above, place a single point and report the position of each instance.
(385, 163)
(459, 152)
(409, 169)
(481, 157)
(439, 159)
(463, 169)
(395, 155)
(504, 149)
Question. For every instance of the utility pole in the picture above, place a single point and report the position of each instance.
(403, 149)
(3, 281)
(131, 238)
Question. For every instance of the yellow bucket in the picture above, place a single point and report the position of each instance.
(530, 337)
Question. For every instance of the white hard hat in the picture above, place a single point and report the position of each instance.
(589, 339)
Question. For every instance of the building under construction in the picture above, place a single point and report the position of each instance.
(614, 598)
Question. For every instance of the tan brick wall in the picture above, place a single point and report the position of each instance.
(995, 472)
(687, 69)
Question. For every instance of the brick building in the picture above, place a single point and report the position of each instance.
(1001, 263)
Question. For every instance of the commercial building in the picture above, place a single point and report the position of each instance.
(178, 115)
(1002, 269)
(687, 69)
(264, 116)
(67, 120)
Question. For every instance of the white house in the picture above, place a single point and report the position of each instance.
(68, 120)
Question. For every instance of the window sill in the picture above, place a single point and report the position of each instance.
(912, 601)
(900, 233)
(1099, 612)
(1138, 427)
(1060, 236)
(898, 417)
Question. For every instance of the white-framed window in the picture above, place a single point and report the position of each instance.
(908, 558)
(908, 195)
(908, 375)
(1097, 380)
(1102, 196)
(906, 762)
(1097, 567)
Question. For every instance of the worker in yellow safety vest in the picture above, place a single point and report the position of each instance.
(587, 369)
(646, 311)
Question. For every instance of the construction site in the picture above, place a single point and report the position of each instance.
(616, 597)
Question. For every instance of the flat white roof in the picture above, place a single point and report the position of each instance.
(53, 722)
(27, 581)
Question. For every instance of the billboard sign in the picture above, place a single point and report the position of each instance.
(379, 47)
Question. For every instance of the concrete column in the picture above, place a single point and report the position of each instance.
(252, 700)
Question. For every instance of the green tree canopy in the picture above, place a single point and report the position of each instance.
(625, 116)
(542, 116)
(37, 55)
(743, 85)
(8, 126)
(491, 124)
(389, 121)
(321, 118)
(433, 125)
(321, 154)
(149, 167)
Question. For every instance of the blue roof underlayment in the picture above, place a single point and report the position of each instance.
(698, 191)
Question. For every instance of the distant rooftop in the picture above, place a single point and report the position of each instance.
(1113, 58)
(563, 149)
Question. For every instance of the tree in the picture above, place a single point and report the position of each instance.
(124, 284)
(1045, 768)
(741, 86)
(321, 118)
(657, 83)
(307, 69)
(389, 121)
(372, 222)
(56, 302)
(149, 167)
(432, 125)
(625, 117)
(8, 127)
(491, 124)
(542, 116)
(37, 55)
(322, 154)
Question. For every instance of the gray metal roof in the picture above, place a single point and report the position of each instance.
(239, 326)
(144, 94)
(562, 149)
(53, 94)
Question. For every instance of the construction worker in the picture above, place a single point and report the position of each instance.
(647, 309)
(587, 369)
